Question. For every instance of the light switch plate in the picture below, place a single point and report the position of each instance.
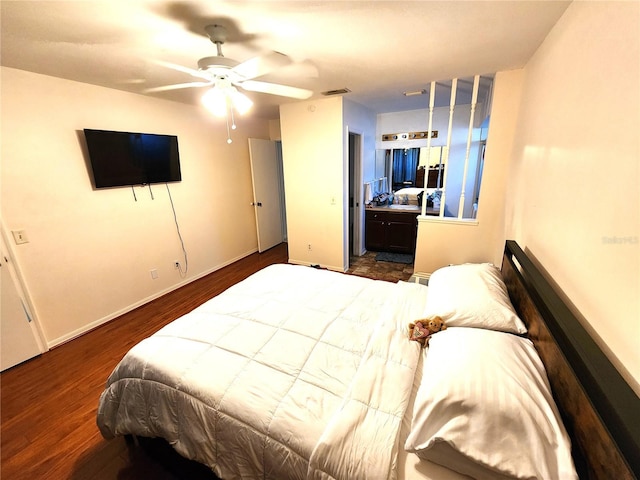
(20, 236)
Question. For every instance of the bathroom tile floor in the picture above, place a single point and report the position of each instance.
(367, 266)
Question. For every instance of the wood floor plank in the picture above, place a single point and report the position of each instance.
(49, 404)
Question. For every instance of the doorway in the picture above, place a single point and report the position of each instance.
(355, 194)
(268, 192)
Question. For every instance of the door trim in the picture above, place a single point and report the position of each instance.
(16, 275)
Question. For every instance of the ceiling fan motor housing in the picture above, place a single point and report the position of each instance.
(208, 63)
(217, 33)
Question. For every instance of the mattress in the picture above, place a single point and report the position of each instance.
(292, 373)
(299, 373)
(412, 193)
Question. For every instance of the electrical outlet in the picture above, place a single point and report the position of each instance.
(154, 273)
(309, 247)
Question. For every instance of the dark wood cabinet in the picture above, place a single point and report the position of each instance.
(390, 231)
(375, 231)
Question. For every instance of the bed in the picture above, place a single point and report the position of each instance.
(303, 373)
(412, 194)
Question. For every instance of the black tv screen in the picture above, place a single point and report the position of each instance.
(123, 158)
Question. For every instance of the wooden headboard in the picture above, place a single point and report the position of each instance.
(432, 177)
(600, 410)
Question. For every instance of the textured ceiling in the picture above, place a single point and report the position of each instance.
(377, 49)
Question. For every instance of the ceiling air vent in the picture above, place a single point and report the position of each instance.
(338, 91)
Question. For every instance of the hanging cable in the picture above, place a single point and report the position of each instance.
(184, 251)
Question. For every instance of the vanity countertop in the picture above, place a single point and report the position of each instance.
(403, 208)
(395, 208)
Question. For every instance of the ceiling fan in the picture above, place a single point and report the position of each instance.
(225, 74)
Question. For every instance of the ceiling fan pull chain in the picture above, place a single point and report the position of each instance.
(228, 132)
(233, 119)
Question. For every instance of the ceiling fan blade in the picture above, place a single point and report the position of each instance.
(259, 66)
(177, 86)
(275, 89)
(304, 69)
(189, 71)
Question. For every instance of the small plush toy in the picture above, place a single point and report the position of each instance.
(422, 330)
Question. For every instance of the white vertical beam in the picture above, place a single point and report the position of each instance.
(432, 97)
(474, 101)
(452, 106)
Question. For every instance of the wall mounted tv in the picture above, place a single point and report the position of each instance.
(122, 158)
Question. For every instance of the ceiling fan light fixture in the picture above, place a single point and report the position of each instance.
(240, 101)
(218, 98)
(215, 100)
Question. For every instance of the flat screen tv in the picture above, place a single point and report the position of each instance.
(122, 158)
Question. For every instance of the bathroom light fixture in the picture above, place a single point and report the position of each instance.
(414, 93)
(222, 99)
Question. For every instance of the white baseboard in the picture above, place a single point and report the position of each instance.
(311, 264)
(101, 321)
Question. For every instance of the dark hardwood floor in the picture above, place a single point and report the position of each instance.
(49, 403)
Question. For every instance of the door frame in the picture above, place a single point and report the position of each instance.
(354, 238)
(283, 207)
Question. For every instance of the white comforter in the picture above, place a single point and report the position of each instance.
(293, 373)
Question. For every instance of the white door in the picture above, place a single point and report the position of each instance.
(17, 335)
(267, 196)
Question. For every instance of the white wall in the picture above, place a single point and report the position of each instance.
(362, 120)
(574, 196)
(315, 156)
(91, 251)
(313, 161)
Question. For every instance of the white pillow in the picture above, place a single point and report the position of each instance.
(472, 295)
(484, 409)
